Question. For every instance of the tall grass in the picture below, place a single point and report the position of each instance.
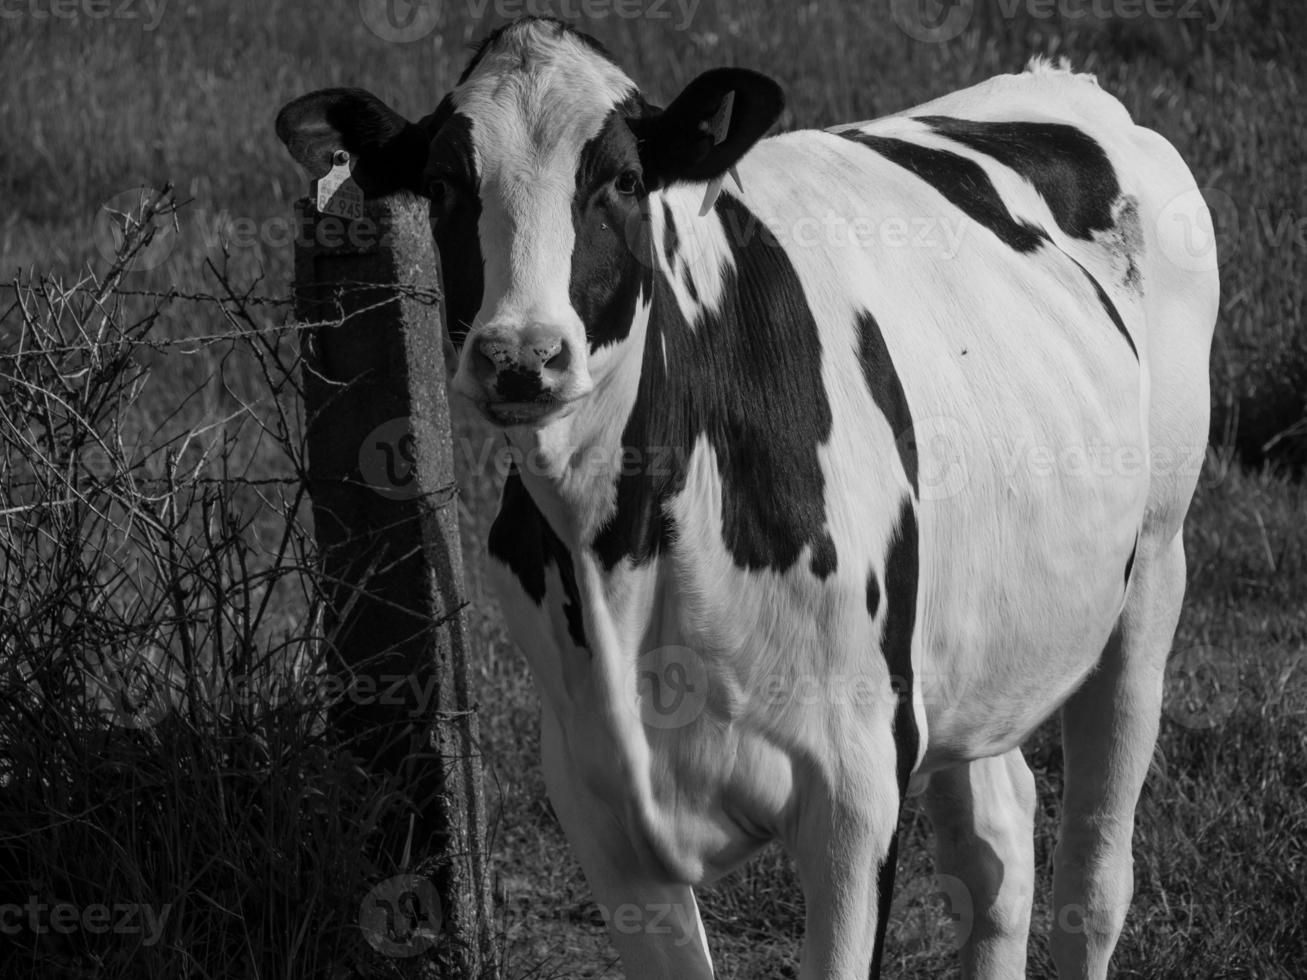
(172, 800)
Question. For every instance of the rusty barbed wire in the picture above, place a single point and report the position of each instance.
(448, 491)
(197, 343)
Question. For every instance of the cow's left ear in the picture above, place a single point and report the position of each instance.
(708, 127)
(389, 151)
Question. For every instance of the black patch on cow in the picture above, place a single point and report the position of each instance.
(901, 575)
(873, 593)
(887, 390)
(612, 260)
(690, 288)
(671, 237)
(432, 124)
(1066, 165)
(902, 565)
(488, 43)
(522, 539)
(884, 900)
(671, 244)
(963, 182)
(824, 558)
(452, 183)
(747, 376)
(1130, 562)
(966, 185)
(1112, 313)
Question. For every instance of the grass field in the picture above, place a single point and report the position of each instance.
(186, 93)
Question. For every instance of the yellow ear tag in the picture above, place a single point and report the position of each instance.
(718, 127)
(337, 192)
(715, 188)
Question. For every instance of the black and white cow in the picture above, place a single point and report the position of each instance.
(838, 480)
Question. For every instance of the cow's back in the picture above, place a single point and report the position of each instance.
(1161, 253)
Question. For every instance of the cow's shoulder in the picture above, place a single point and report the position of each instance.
(739, 371)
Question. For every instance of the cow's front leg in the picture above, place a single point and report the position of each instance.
(653, 922)
(844, 851)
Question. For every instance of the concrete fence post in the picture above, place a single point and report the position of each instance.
(380, 466)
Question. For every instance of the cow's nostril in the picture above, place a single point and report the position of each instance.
(547, 350)
(560, 360)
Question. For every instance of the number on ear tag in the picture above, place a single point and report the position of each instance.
(337, 192)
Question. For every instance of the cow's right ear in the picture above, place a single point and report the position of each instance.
(708, 127)
(390, 152)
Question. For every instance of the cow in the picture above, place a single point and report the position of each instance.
(845, 458)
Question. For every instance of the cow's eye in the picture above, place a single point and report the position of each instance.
(439, 191)
(628, 182)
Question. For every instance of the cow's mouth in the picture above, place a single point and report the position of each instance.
(522, 413)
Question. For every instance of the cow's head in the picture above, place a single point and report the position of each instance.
(539, 167)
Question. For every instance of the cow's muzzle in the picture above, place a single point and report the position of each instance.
(523, 375)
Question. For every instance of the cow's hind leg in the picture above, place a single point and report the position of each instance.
(653, 922)
(983, 815)
(1109, 728)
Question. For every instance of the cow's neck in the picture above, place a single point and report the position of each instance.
(603, 475)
